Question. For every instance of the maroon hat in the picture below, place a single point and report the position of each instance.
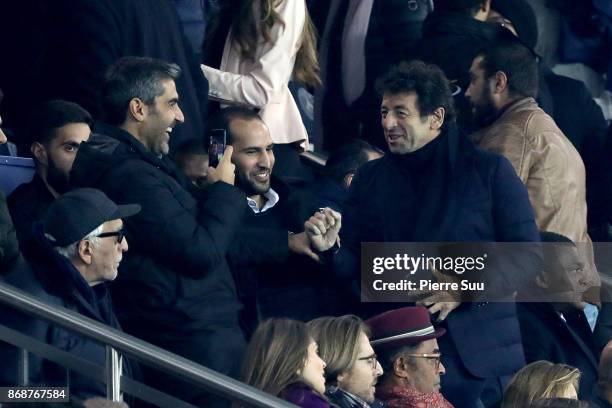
(401, 327)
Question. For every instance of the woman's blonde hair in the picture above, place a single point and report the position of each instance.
(540, 380)
(246, 31)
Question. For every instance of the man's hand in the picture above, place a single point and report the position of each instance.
(225, 170)
(300, 244)
(442, 302)
(323, 228)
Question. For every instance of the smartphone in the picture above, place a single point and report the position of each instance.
(216, 146)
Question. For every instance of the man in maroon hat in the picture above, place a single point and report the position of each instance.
(405, 342)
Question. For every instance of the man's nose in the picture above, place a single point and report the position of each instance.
(178, 116)
(388, 122)
(378, 371)
(3, 138)
(124, 245)
(264, 160)
(441, 369)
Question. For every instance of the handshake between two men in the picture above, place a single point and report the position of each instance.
(249, 168)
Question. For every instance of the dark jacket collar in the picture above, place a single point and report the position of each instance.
(345, 399)
(110, 147)
(134, 144)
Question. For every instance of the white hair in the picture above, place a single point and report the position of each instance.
(70, 251)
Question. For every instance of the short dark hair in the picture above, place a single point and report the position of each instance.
(465, 7)
(427, 81)
(134, 77)
(348, 158)
(52, 115)
(226, 116)
(518, 62)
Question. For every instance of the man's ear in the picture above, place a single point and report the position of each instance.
(138, 109)
(399, 367)
(40, 153)
(84, 251)
(437, 119)
(348, 179)
(501, 82)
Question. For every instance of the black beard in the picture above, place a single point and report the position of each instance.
(249, 188)
(56, 179)
(485, 116)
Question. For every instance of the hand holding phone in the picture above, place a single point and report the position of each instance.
(224, 170)
(216, 146)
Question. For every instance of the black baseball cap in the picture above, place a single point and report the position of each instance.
(78, 212)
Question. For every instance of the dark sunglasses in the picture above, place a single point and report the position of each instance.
(119, 234)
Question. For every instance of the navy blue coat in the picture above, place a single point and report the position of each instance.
(51, 278)
(484, 202)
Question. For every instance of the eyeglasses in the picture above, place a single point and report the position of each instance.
(119, 234)
(371, 360)
(434, 357)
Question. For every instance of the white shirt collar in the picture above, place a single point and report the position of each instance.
(271, 197)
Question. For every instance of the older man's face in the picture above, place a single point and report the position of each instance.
(361, 379)
(406, 130)
(564, 279)
(425, 367)
(107, 256)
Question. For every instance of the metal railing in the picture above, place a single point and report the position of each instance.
(117, 343)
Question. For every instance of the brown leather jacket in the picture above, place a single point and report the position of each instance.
(553, 172)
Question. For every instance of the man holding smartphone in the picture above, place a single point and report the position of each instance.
(175, 288)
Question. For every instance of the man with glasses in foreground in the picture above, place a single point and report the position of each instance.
(408, 351)
(79, 245)
(351, 370)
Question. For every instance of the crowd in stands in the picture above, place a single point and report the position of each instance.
(441, 121)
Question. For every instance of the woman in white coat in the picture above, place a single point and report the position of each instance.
(269, 43)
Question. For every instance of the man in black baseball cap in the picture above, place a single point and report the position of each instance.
(79, 245)
(75, 226)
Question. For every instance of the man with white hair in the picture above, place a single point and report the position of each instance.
(80, 244)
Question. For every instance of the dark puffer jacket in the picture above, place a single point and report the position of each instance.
(175, 276)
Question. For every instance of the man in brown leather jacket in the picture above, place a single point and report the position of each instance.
(503, 86)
